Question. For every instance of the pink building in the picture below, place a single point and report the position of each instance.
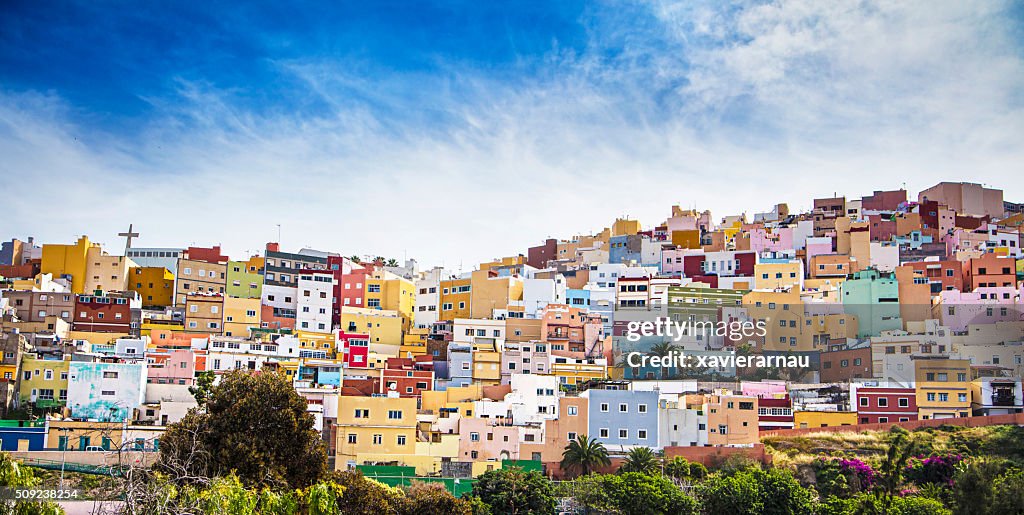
(773, 240)
(172, 367)
(986, 305)
(483, 439)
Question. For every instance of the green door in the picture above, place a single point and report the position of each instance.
(83, 442)
(62, 443)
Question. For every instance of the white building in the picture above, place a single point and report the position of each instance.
(315, 301)
(428, 296)
(227, 353)
(538, 293)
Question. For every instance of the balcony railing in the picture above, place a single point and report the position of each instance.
(1003, 399)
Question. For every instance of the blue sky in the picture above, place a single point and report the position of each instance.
(460, 131)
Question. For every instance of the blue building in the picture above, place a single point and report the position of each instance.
(622, 419)
(578, 298)
(22, 435)
(460, 364)
(106, 391)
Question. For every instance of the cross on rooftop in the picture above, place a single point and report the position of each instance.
(128, 238)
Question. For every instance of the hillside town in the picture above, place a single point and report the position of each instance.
(888, 309)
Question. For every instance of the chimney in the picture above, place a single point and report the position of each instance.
(273, 247)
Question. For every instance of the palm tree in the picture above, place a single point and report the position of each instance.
(663, 350)
(392, 262)
(585, 454)
(640, 459)
(355, 259)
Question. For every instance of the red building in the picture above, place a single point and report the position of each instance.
(774, 412)
(110, 312)
(842, 365)
(694, 267)
(407, 377)
(539, 256)
(942, 275)
(350, 284)
(883, 200)
(356, 349)
(209, 255)
(877, 405)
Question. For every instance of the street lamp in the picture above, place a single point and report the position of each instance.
(63, 453)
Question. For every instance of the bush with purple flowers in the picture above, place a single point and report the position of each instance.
(843, 477)
(933, 469)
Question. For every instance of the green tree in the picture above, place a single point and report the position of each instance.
(635, 493)
(512, 491)
(1009, 493)
(584, 454)
(680, 468)
(392, 262)
(255, 425)
(203, 387)
(14, 475)
(901, 448)
(430, 498)
(640, 459)
(755, 492)
(364, 496)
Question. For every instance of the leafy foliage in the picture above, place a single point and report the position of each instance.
(256, 426)
(14, 475)
(755, 492)
(513, 491)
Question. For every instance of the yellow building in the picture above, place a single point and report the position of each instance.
(313, 341)
(414, 343)
(375, 426)
(239, 315)
(806, 419)
(689, 239)
(505, 261)
(71, 260)
(388, 291)
(383, 326)
(456, 295)
(575, 371)
(786, 324)
(770, 274)
(153, 326)
(155, 284)
(624, 227)
(490, 293)
(97, 338)
(486, 363)
(105, 272)
(43, 381)
(943, 387)
(204, 313)
(80, 435)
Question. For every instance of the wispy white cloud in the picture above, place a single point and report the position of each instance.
(729, 109)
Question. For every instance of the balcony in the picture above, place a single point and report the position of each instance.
(1003, 398)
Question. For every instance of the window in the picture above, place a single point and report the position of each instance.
(641, 408)
(378, 439)
(943, 397)
(108, 374)
(930, 397)
(623, 433)
(604, 407)
(572, 411)
(394, 414)
(961, 397)
(864, 401)
(362, 413)
(883, 402)
(603, 432)
(474, 437)
(904, 402)
(401, 439)
(623, 408)
(641, 434)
